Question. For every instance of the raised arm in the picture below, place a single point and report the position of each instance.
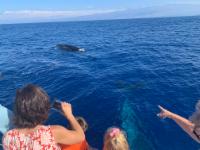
(184, 123)
(65, 136)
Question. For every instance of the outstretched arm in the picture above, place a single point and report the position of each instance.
(184, 123)
(65, 136)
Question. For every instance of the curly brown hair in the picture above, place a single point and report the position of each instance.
(31, 106)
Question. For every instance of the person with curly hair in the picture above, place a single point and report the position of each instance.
(31, 110)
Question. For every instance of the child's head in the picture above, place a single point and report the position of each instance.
(115, 139)
(82, 123)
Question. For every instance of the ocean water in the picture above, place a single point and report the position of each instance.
(127, 69)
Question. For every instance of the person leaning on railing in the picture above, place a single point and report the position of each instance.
(191, 126)
(30, 111)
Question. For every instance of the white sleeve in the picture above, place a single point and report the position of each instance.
(6, 116)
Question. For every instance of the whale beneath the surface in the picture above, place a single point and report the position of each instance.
(67, 47)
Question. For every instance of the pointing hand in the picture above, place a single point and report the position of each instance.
(164, 113)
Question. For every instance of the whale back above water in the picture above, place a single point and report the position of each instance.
(67, 47)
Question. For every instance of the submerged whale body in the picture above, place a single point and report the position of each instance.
(67, 47)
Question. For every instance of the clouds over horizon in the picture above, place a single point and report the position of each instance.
(28, 16)
(23, 15)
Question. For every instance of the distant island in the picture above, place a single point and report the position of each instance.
(148, 12)
(172, 10)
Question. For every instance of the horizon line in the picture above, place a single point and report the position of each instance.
(68, 21)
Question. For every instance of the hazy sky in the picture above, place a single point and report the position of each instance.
(27, 9)
(6, 5)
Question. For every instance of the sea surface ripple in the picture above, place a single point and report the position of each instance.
(128, 68)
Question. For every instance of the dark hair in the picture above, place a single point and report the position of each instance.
(195, 118)
(82, 122)
(31, 106)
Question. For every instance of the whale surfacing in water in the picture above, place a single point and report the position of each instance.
(67, 47)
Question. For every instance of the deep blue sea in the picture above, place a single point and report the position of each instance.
(127, 69)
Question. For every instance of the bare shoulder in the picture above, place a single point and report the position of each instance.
(55, 128)
(61, 134)
(58, 130)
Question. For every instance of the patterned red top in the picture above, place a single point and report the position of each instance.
(41, 139)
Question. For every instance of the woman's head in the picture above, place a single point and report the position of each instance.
(115, 139)
(31, 106)
(195, 118)
(82, 123)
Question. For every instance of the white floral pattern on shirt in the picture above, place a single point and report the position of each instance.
(41, 139)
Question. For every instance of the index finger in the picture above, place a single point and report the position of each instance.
(160, 107)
